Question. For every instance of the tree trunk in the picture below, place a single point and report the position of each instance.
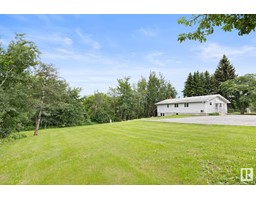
(242, 111)
(38, 119)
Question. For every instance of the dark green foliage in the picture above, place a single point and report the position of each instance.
(207, 87)
(30, 89)
(99, 108)
(198, 84)
(203, 83)
(241, 91)
(157, 89)
(225, 71)
(33, 96)
(140, 95)
(214, 114)
(12, 137)
(125, 102)
(15, 64)
(69, 111)
(125, 99)
(243, 23)
(188, 88)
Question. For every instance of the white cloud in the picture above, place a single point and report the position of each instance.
(214, 51)
(68, 41)
(96, 71)
(158, 58)
(87, 39)
(149, 32)
(52, 38)
(4, 42)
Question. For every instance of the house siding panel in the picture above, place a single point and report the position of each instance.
(194, 108)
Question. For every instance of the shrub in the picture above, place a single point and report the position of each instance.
(214, 114)
(12, 137)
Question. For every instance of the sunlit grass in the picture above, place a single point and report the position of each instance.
(132, 152)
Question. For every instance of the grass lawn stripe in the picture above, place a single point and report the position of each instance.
(132, 152)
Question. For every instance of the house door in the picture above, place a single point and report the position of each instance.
(219, 107)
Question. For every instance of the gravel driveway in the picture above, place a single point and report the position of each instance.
(240, 120)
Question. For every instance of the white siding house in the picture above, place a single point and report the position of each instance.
(193, 105)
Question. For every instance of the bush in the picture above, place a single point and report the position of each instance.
(214, 114)
(13, 137)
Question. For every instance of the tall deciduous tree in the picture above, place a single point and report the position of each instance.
(99, 108)
(15, 63)
(243, 23)
(241, 90)
(48, 90)
(68, 112)
(141, 92)
(152, 93)
(125, 98)
(157, 89)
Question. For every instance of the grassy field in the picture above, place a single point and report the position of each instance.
(132, 152)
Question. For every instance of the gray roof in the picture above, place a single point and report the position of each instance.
(192, 99)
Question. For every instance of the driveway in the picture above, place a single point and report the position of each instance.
(239, 120)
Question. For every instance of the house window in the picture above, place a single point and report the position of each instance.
(167, 105)
(210, 103)
(220, 105)
(176, 105)
(186, 105)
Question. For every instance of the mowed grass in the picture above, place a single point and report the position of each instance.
(132, 152)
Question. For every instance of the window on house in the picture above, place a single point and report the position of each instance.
(176, 105)
(185, 104)
(220, 105)
(167, 105)
(210, 103)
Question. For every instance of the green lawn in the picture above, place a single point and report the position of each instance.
(132, 152)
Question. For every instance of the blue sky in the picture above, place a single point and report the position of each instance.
(93, 51)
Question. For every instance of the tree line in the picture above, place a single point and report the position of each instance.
(129, 101)
(33, 96)
(239, 90)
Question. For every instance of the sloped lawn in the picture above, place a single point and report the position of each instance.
(132, 152)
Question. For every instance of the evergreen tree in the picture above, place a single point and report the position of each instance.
(225, 71)
(188, 88)
(207, 83)
(198, 84)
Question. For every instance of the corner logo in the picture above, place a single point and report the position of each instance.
(246, 174)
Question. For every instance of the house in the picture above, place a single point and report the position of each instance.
(193, 105)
